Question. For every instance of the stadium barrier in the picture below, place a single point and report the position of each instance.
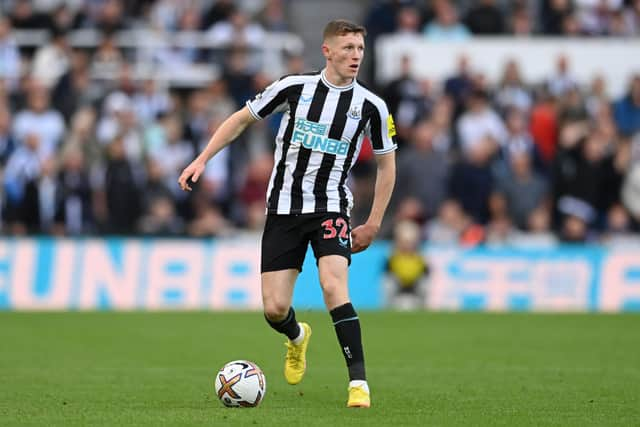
(162, 274)
(588, 57)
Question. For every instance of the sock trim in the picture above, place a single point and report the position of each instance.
(345, 320)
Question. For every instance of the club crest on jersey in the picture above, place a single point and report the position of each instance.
(354, 113)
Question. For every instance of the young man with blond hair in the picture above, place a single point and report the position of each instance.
(327, 115)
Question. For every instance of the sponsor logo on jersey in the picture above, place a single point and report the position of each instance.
(313, 136)
(391, 126)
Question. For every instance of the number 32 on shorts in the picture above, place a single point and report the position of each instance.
(337, 227)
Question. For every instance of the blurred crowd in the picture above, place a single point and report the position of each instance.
(462, 19)
(478, 161)
(513, 161)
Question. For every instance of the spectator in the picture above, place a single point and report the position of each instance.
(543, 125)
(52, 60)
(7, 141)
(595, 17)
(563, 80)
(580, 173)
(480, 124)
(119, 121)
(74, 202)
(41, 120)
(626, 110)
(236, 31)
(9, 56)
(406, 100)
(460, 85)
(422, 170)
(273, 17)
(121, 190)
(499, 230)
(631, 17)
(151, 102)
(471, 180)
(406, 270)
(446, 25)
(21, 176)
(108, 58)
(524, 190)
(219, 11)
(511, 91)
(519, 140)
(521, 22)
(25, 18)
(485, 18)
(553, 14)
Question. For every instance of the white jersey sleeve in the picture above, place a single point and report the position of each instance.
(381, 129)
(272, 99)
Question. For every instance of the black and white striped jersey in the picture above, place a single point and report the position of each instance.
(319, 140)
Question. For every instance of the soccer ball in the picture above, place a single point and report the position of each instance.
(240, 384)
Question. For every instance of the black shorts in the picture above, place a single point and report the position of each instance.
(286, 238)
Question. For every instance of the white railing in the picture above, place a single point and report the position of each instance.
(616, 59)
(144, 42)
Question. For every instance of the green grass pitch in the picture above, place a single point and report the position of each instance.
(425, 369)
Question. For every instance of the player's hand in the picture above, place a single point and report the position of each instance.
(193, 171)
(362, 236)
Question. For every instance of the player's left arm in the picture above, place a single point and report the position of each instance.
(363, 235)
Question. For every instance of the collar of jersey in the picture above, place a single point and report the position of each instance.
(332, 86)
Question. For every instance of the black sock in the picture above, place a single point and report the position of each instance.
(288, 326)
(347, 325)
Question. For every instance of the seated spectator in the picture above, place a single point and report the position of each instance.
(7, 141)
(518, 140)
(511, 91)
(422, 170)
(543, 125)
(521, 23)
(10, 61)
(446, 25)
(524, 190)
(41, 119)
(596, 17)
(480, 124)
(453, 226)
(406, 100)
(631, 18)
(553, 14)
(74, 201)
(471, 181)
(21, 176)
(485, 18)
(499, 230)
(52, 60)
(562, 80)
(236, 31)
(460, 85)
(107, 58)
(121, 190)
(626, 110)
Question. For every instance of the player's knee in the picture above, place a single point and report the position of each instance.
(275, 310)
(333, 288)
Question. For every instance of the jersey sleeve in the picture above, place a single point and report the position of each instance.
(382, 130)
(272, 99)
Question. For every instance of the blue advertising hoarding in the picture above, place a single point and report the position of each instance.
(159, 274)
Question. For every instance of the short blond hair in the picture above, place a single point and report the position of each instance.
(340, 27)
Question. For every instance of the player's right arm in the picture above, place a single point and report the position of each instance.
(273, 98)
(229, 130)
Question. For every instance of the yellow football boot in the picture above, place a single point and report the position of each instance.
(295, 362)
(358, 398)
